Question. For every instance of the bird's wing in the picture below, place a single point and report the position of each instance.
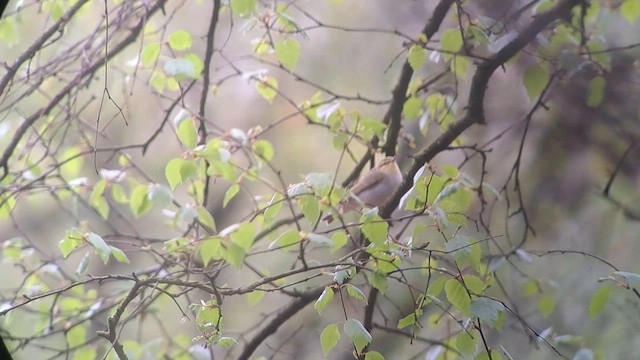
(368, 181)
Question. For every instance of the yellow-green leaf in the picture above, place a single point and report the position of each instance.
(263, 149)
(288, 52)
(150, 54)
(329, 338)
(546, 305)
(324, 300)
(267, 87)
(598, 301)
(187, 133)
(243, 7)
(140, 203)
(180, 40)
(536, 79)
(230, 194)
(597, 86)
(417, 57)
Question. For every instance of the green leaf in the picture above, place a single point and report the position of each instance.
(535, 80)
(176, 244)
(187, 133)
(320, 240)
(205, 217)
(324, 300)
(197, 63)
(210, 249)
(409, 319)
(357, 333)
(260, 46)
(158, 81)
(98, 190)
(85, 353)
(373, 355)
(72, 162)
(119, 255)
(267, 88)
(234, 254)
(8, 32)
(598, 301)
(172, 172)
(596, 90)
(84, 264)
(180, 40)
(118, 194)
(530, 288)
(546, 305)
(101, 205)
(310, 207)
(273, 208)
(450, 42)
(473, 283)
(378, 281)
(225, 341)
(208, 315)
(160, 195)
(243, 7)
(140, 203)
(254, 297)
(457, 295)
(231, 192)
(630, 10)
(72, 240)
(370, 127)
(76, 336)
(417, 57)
(487, 310)
(54, 8)
(150, 54)
(244, 235)
(465, 343)
(179, 170)
(459, 66)
(412, 108)
(484, 356)
(287, 239)
(339, 240)
(224, 170)
(329, 338)
(263, 149)
(8, 204)
(288, 52)
(102, 248)
(373, 227)
(356, 293)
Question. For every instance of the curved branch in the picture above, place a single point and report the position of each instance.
(26, 125)
(393, 116)
(475, 111)
(282, 317)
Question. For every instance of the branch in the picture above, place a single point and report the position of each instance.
(282, 317)
(26, 125)
(393, 116)
(475, 110)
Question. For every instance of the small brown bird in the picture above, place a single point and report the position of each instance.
(373, 189)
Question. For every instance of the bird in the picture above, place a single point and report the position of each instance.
(373, 189)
